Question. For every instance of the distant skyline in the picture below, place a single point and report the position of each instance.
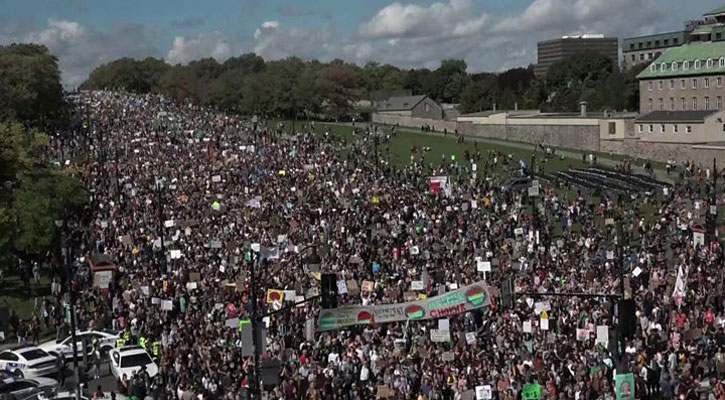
(490, 35)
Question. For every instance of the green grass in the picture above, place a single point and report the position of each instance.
(14, 296)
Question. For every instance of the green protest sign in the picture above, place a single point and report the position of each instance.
(625, 386)
(532, 391)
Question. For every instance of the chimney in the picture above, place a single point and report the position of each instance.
(494, 107)
(583, 107)
(516, 106)
(606, 113)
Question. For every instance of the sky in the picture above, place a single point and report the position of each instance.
(491, 35)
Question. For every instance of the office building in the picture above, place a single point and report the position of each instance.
(551, 51)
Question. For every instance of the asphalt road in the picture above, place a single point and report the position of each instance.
(107, 381)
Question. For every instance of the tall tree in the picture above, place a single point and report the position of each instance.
(339, 87)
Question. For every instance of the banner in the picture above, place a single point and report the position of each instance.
(624, 384)
(452, 303)
(440, 183)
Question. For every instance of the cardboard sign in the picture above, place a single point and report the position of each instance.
(352, 288)
(195, 277)
(484, 392)
(582, 334)
(439, 336)
(367, 286)
(448, 356)
(384, 392)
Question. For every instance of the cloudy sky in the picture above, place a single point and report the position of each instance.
(491, 35)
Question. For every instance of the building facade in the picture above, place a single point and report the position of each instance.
(550, 51)
(682, 127)
(643, 49)
(690, 77)
(412, 106)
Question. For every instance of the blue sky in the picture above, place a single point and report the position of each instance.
(491, 35)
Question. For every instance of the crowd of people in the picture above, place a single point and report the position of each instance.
(187, 201)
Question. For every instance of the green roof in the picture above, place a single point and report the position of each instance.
(690, 53)
(702, 29)
(719, 10)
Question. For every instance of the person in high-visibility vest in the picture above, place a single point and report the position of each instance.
(120, 342)
(142, 342)
(156, 346)
(127, 335)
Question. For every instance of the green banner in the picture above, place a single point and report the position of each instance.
(532, 391)
(625, 386)
(458, 301)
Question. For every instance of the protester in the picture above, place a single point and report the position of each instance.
(226, 198)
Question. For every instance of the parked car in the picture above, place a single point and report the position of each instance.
(17, 388)
(54, 394)
(27, 362)
(64, 345)
(131, 359)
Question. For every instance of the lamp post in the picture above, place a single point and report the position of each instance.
(160, 207)
(66, 251)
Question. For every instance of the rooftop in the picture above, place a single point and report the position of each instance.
(717, 11)
(676, 116)
(401, 103)
(662, 66)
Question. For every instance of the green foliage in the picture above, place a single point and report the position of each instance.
(30, 89)
(338, 85)
(505, 90)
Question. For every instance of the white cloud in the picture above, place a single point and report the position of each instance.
(80, 49)
(203, 45)
(453, 19)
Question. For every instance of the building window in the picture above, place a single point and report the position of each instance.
(662, 104)
(649, 86)
(719, 102)
(719, 81)
(427, 107)
(612, 128)
(672, 84)
(651, 128)
(672, 103)
(707, 102)
(686, 65)
(688, 129)
(641, 56)
(675, 41)
(657, 43)
(722, 62)
(660, 84)
(698, 64)
(662, 128)
(667, 42)
(694, 83)
(649, 102)
(634, 58)
(674, 66)
(640, 128)
(631, 46)
(674, 128)
(684, 103)
(709, 63)
(663, 67)
(682, 83)
(707, 83)
(649, 44)
(694, 104)
(653, 68)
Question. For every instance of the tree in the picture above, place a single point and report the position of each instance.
(339, 87)
(30, 89)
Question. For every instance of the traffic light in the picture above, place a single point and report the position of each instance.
(507, 293)
(329, 291)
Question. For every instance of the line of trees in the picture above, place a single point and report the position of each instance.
(250, 85)
(34, 193)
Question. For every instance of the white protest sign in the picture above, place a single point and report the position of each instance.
(341, 287)
(216, 178)
(444, 324)
(169, 223)
(439, 336)
(470, 337)
(281, 238)
(484, 392)
(417, 285)
(474, 204)
(414, 250)
(637, 271)
(527, 326)
(602, 334)
(544, 324)
(175, 254)
(191, 285)
(167, 305)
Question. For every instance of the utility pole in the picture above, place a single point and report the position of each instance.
(621, 345)
(254, 375)
(66, 252)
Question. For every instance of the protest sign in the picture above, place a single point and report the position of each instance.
(341, 287)
(367, 286)
(470, 337)
(167, 305)
(582, 334)
(527, 326)
(602, 334)
(624, 384)
(439, 336)
(484, 392)
(448, 356)
(531, 391)
(417, 285)
(444, 324)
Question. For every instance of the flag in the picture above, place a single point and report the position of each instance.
(275, 295)
(680, 285)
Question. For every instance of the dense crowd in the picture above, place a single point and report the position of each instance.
(222, 191)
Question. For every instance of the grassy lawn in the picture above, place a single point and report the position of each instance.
(16, 298)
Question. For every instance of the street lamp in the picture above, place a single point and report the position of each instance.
(66, 252)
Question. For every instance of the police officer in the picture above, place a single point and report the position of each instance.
(120, 342)
(142, 342)
(156, 348)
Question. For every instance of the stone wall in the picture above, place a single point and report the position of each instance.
(664, 152)
(413, 122)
